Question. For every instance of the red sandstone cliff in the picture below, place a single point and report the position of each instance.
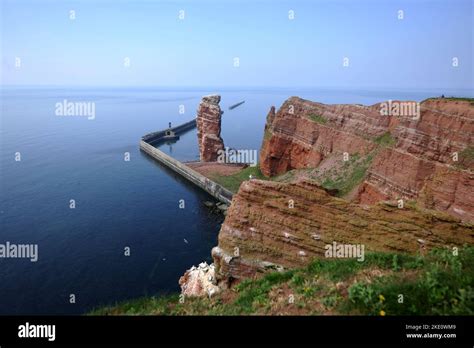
(209, 128)
(262, 231)
(421, 163)
(294, 140)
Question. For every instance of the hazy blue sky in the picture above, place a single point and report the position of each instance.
(273, 50)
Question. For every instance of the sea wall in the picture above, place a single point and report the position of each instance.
(159, 135)
(200, 180)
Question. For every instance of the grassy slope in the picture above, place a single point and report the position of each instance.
(351, 174)
(344, 179)
(318, 119)
(471, 100)
(439, 283)
(353, 171)
(232, 182)
(466, 158)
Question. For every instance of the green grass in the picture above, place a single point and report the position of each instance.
(232, 182)
(318, 119)
(471, 100)
(267, 135)
(466, 158)
(460, 98)
(351, 175)
(445, 287)
(385, 140)
(354, 171)
(254, 294)
(439, 283)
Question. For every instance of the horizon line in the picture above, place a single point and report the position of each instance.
(195, 87)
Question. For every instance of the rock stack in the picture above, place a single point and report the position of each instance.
(209, 128)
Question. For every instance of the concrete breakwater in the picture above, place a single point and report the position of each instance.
(213, 188)
(156, 137)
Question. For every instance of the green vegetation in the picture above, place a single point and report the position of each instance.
(351, 174)
(267, 135)
(353, 171)
(232, 182)
(445, 287)
(467, 153)
(385, 140)
(318, 119)
(471, 100)
(440, 283)
(466, 158)
(289, 176)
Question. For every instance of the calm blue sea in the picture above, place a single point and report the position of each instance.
(118, 204)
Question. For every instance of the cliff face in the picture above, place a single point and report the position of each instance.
(397, 174)
(209, 128)
(263, 231)
(425, 159)
(303, 133)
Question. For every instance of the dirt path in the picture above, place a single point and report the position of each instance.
(209, 168)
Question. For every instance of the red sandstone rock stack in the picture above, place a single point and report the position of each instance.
(209, 128)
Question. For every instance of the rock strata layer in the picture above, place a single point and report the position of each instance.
(262, 231)
(209, 128)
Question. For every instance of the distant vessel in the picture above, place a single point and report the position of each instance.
(235, 105)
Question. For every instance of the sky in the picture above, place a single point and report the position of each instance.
(272, 49)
